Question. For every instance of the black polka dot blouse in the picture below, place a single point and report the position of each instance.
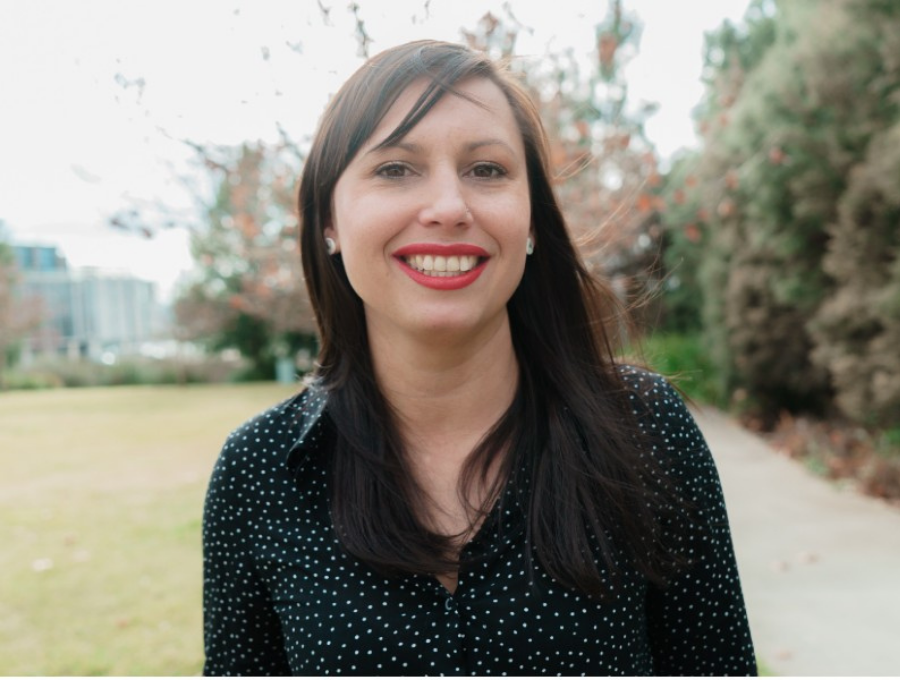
(281, 597)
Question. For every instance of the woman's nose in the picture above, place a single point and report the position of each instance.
(445, 202)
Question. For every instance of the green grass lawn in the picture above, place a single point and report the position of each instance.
(101, 494)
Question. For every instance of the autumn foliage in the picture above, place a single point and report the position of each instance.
(249, 291)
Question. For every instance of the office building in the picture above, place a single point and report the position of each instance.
(86, 312)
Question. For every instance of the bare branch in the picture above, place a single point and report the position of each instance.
(363, 39)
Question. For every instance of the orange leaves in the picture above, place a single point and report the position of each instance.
(731, 179)
(247, 225)
(726, 208)
(727, 100)
(644, 203)
(583, 128)
(777, 155)
(717, 202)
(558, 156)
(236, 302)
(607, 44)
(692, 233)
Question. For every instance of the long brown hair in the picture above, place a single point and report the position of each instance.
(570, 436)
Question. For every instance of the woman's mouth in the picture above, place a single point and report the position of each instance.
(442, 265)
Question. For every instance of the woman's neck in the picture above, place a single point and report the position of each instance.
(446, 395)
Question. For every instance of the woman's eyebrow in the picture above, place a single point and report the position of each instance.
(397, 144)
(473, 146)
(412, 147)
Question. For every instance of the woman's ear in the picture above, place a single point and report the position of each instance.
(331, 240)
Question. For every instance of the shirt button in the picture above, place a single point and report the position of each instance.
(448, 604)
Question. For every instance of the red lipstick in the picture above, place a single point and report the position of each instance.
(445, 249)
(456, 280)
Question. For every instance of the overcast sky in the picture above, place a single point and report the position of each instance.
(92, 93)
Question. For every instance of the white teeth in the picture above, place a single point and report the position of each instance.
(439, 265)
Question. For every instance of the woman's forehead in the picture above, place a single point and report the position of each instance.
(483, 94)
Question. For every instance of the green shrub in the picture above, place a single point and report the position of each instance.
(50, 373)
(683, 359)
(857, 329)
(782, 229)
(889, 443)
(38, 380)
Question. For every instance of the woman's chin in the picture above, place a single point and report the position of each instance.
(444, 328)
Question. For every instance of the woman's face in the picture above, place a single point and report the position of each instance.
(432, 229)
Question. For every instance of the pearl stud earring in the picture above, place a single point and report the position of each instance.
(330, 245)
(529, 246)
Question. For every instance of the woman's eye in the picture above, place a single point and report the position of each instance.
(393, 170)
(488, 171)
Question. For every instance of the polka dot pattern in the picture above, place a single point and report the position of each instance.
(281, 597)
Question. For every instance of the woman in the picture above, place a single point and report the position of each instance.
(470, 484)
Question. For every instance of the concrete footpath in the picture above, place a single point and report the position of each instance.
(820, 564)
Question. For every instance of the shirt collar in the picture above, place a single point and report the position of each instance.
(315, 434)
(311, 412)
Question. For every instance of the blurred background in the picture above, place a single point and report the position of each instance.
(732, 165)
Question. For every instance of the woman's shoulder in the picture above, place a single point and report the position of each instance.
(662, 413)
(268, 437)
(650, 391)
(253, 468)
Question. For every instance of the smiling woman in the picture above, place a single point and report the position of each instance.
(470, 484)
(432, 227)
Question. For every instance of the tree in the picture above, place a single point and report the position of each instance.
(8, 308)
(17, 316)
(857, 328)
(250, 285)
(796, 100)
(249, 293)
